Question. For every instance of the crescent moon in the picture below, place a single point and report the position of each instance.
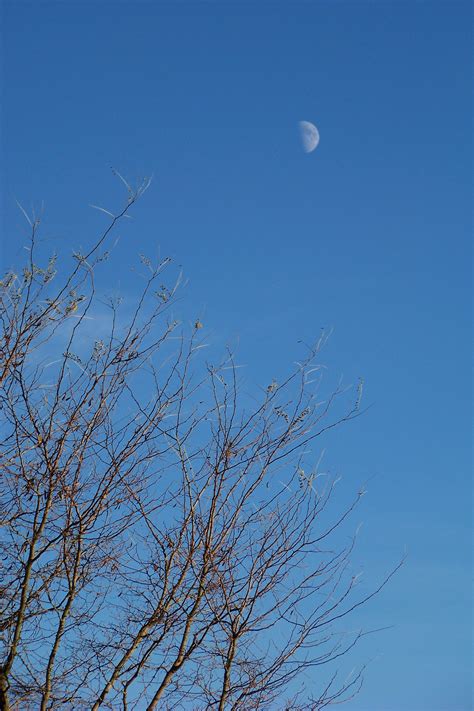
(309, 136)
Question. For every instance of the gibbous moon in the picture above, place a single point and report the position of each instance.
(309, 136)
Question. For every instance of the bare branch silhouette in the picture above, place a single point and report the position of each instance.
(162, 545)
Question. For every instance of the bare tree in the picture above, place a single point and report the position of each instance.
(162, 545)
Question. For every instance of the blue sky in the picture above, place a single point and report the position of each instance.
(369, 235)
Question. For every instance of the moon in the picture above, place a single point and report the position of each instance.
(309, 135)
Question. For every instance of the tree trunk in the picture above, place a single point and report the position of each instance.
(4, 703)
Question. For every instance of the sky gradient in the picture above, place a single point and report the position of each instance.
(368, 235)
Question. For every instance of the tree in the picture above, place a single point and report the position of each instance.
(161, 543)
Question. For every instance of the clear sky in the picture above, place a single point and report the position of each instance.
(369, 234)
